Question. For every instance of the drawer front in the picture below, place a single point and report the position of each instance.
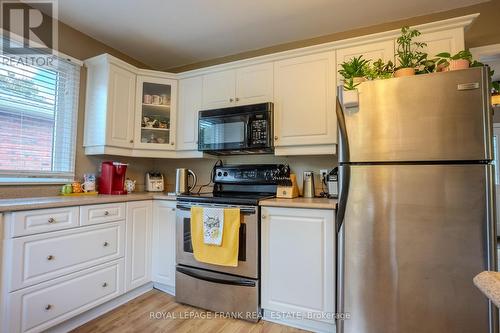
(39, 258)
(97, 214)
(42, 220)
(39, 307)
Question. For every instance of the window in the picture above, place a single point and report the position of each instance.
(38, 115)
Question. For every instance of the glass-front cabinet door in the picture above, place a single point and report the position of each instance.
(156, 110)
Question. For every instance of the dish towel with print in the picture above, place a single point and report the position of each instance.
(213, 225)
(227, 253)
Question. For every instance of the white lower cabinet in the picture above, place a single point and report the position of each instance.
(163, 264)
(39, 307)
(138, 256)
(298, 264)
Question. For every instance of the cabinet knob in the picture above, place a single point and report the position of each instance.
(263, 216)
(106, 213)
(104, 285)
(51, 220)
(50, 257)
(173, 209)
(131, 141)
(105, 244)
(231, 100)
(48, 307)
(172, 143)
(237, 99)
(275, 138)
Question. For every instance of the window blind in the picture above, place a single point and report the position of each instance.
(38, 116)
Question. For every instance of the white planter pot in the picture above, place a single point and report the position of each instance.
(350, 98)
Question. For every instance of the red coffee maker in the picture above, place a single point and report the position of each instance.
(112, 180)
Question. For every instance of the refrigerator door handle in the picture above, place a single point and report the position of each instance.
(343, 146)
(344, 180)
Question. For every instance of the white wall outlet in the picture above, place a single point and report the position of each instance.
(323, 173)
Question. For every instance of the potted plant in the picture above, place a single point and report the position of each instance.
(379, 70)
(353, 73)
(354, 69)
(461, 60)
(408, 52)
(350, 96)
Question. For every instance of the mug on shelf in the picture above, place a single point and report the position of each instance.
(148, 99)
(156, 99)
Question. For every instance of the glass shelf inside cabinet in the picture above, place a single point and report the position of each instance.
(155, 121)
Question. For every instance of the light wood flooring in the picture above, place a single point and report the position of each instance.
(134, 316)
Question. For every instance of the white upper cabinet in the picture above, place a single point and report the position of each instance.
(304, 96)
(218, 89)
(190, 91)
(155, 113)
(254, 84)
(451, 40)
(242, 86)
(110, 100)
(371, 51)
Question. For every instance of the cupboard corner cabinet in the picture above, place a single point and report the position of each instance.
(135, 112)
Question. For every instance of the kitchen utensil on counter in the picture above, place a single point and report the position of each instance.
(182, 180)
(287, 187)
(76, 187)
(67, 189)
(308, 185)
(130, 185)
(112, 179)
(154, 182)
(331, 182)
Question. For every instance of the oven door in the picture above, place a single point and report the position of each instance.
(248, 253)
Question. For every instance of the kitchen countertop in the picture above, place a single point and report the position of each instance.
(489, 284)
(300, 202)
(10, 205)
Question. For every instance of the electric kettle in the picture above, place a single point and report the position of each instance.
(182, 181)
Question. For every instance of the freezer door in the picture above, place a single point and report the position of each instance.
(433, 117)
(411, 240)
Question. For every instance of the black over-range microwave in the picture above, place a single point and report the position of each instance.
(242, 129)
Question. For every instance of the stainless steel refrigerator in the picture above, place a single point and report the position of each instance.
(416, 208)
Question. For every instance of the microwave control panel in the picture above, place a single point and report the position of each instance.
(259, 132)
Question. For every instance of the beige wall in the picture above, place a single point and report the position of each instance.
(483, 31)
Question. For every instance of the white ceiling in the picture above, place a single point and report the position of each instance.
(169, 33)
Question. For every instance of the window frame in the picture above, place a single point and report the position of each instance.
(21, 177)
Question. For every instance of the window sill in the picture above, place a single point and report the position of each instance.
(34, 181)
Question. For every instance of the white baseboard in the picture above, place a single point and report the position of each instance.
(98, 311)
(305, 324)
(165, 288)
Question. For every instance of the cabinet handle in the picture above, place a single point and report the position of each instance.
(106, 213)
(131, 141)
(105, 244)
(275, 138)
(48, 307)
(231, 100)
(51, 220)
(50, 257)
(237, 99)
(104, 285)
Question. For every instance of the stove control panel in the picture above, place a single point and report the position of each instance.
(248, 174)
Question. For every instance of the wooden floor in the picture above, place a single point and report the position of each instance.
(134, 316)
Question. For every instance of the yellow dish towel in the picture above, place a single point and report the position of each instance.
(227, 253)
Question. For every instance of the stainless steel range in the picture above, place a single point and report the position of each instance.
(219, 288)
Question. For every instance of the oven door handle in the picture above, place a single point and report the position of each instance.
(243, 210)
(233, 280)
